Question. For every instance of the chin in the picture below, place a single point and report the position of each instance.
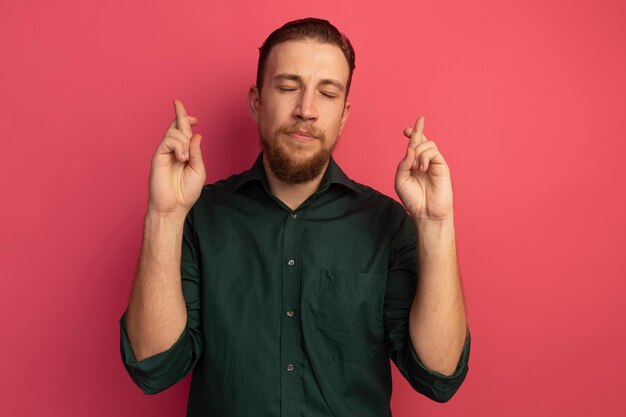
(295, 166)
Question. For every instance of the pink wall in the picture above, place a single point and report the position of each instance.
(524, 98)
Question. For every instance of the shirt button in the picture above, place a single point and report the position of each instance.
(294, 216)
(291, 262)
(290, 313)
(290, 367)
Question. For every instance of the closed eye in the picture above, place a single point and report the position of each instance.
(282, 88)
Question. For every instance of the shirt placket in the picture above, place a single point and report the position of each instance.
(290, 350)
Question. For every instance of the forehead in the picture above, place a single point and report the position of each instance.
(309, 59)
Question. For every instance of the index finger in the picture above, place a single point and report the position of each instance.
(417, 136)
(182, 121)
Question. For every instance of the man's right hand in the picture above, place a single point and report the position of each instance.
(177, 172)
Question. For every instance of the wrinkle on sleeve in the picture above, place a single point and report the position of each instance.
(159, 372)
(399, 293)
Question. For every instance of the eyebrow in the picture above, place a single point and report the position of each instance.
(295, 77)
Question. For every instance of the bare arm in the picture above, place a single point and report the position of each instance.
(437, 322)
(156, 314)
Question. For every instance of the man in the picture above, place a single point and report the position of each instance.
(288, 287)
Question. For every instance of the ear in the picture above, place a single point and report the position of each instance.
(344, 116)
(253, 102)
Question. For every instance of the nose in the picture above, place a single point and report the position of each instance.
(306, 109)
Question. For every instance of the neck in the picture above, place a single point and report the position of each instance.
(293, 195)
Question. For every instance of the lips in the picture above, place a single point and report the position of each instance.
(300, 132)
(302, 135)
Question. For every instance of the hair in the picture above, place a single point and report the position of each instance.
(309, 28)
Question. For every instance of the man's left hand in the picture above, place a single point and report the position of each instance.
(423, 178)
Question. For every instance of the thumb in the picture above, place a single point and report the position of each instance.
(195, 153)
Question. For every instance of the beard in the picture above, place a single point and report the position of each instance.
(284, 167)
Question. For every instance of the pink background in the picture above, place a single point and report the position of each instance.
(524, 98)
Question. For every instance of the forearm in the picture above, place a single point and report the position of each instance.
(437, 321)
(156, 314)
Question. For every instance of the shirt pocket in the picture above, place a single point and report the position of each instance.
(350, 315)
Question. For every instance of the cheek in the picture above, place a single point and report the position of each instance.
(333, 113)
(266, 120)
(334, 122)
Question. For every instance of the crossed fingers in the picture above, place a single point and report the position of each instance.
(178, 134)
(425, 150)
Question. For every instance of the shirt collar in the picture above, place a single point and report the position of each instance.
(333, 175)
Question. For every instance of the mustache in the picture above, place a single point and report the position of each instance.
(302, 128)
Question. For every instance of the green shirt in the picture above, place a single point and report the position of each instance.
(294, 313)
